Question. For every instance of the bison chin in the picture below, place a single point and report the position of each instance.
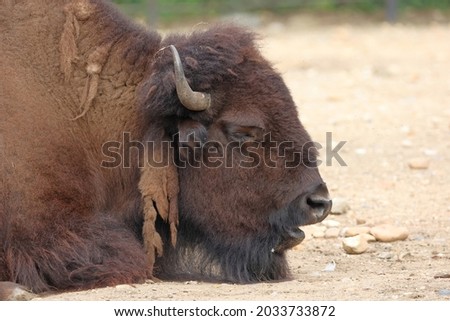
(201, 257)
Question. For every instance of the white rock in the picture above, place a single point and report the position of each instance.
(330, 267)
(407, 143)
(356, 230)
(123, 287)
(419, 163)
(355, 244)
(340, 206)
(389, 233)
(191, 282)
(385, 255)
(430, 152)
(331, 223)
(332, 232)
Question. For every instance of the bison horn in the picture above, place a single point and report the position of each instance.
(192, 100)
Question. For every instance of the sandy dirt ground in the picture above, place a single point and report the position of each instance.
(385, 90)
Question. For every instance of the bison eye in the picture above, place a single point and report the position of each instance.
(244, 133)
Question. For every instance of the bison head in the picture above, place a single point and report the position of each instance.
(246, 166)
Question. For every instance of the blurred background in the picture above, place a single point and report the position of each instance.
(165, 12)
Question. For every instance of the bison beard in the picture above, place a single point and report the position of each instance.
(261, 257)
(201, 257)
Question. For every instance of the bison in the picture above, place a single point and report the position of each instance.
(125, 155)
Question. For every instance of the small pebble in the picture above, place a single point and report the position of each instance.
(419, 163)
(191, 282)
(389, 233)
(123, 287)
(417, 237)
(385, 255)
(430, 152)
(330, 267)
(360, 221)
(340, 206)
(332, 232)
(407, 143)
(355, 244)
(356, 230)
(331, 223)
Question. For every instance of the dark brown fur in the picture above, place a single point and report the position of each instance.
(79, 75)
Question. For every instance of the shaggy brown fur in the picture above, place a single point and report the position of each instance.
(80, 75)
(65, 221)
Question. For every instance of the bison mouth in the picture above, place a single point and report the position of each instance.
(290, 238)
(309, 208)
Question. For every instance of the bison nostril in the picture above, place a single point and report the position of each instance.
(319, 205)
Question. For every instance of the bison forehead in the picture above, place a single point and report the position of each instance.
(209, 57)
